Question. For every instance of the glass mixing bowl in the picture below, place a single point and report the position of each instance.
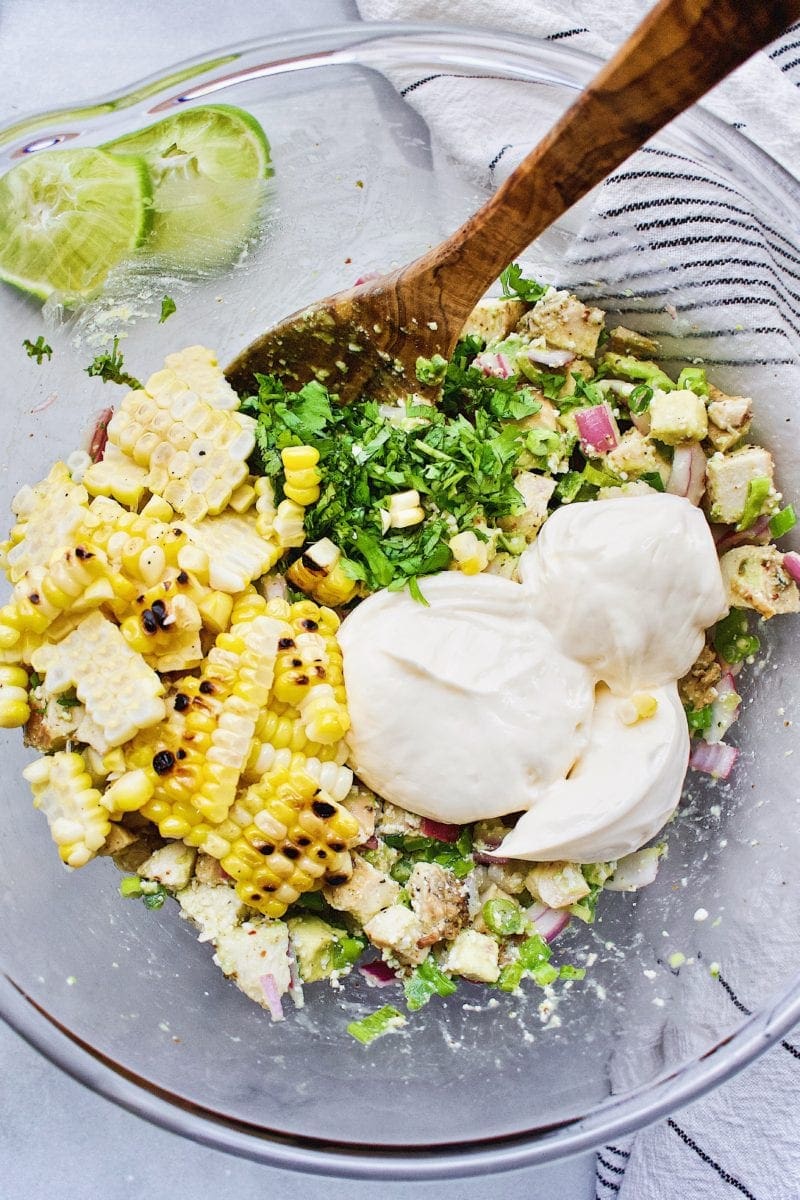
(382, 140)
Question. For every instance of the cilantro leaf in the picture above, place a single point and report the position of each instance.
(38, 349)
(108, 367)
(514, 283)
(168, 307)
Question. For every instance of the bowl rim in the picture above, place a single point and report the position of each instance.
(615, 1117)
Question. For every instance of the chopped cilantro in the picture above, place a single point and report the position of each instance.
(570, 972)
(653, 479)
(425, 981)
(168, 307)
(108, 367)
(155, 899)
(68, 700)
(38, 349)
(514, 283)
(384, 1020)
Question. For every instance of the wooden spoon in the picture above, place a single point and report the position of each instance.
(368, 338)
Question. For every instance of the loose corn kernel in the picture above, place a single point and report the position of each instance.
(215, 611)
(641, 706)
(128, 793)
(404, 510)
(471, 555)
(157, 509)
(243, 498)
(62, 789)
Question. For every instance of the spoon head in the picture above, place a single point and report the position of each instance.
(355, 343)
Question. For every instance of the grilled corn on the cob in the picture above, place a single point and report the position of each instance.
(62, 789)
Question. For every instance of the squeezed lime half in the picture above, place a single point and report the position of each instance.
(68, 216)
(208, 166)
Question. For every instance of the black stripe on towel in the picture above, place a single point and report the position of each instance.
(734, 999)
(556, 37)
(709, 1161)
(610, 1166)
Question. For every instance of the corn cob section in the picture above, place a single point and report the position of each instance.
(198, 369)
(195, 453)
(235, 552)
(319, 573)
(279, 728)
(118, 476)
(48, 517)
(120, 692)
(62, 789)
(14, 706)
(194, 760)
(308, 673)
(75, 580)
(282, 837)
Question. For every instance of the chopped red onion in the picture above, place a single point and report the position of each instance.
(688, 475)
(635, 871)
(488, 858)
(791, 561)
(549, 922)
(642, 421)
(378, 973)
(272, 996)
(726, 536)
(366, 278)
(439, 830)
(97, 442)
(597, 428)
(715, 759)
(371, 843)
(550, 358)
(498, 365)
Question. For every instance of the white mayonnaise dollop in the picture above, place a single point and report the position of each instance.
(500, 697)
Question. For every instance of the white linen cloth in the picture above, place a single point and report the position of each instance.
(743, 1139)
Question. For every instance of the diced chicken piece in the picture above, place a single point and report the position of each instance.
(628, 341)
(557, 884)
(565, 322)
(493, 319)
(510, 876)
(635, 454)
(755, 577)
(250, 951)
(698, 687)
(210, 870)
(536, 491)
(678, 416)
(391, 819)
(473, 955)
(365, 893)
(171, 866)
(118, 840)
(50, 724)
(727, 479)
(398, 932)
(439, 900)
(361, 804)
(729, 418)
(214, 910)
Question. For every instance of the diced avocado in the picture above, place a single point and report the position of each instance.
(313, 940)
(473, 955)
(678, 416)
(728, 478)
(636, 455)
(640, 370)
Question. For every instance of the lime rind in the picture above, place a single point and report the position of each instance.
(209, 165)
(68, 216)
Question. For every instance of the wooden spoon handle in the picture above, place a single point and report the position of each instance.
(680, 50)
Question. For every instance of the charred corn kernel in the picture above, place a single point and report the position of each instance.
(62, 789)
(41, 596)
(128, 793)
(195, 452)
(120, 692)
(318, 572)
(236, 552)
(48, 517)
(243, 498)
(287, 524)
(196, 757)
(14, 707)
(470, 554)
(157, 509)
(282, 836)
(164, 628)
(198, 369)
(119, 476)
(638, 707)
(215, 611)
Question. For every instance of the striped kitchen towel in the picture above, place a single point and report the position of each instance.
(714, 248)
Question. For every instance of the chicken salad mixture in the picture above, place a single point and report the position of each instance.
(323, 674)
